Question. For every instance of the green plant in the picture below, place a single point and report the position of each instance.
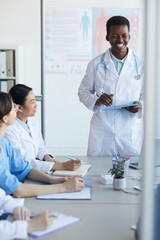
(117, 170)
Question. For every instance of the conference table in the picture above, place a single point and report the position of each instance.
(108, 215)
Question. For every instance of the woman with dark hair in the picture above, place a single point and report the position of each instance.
(25, 134)
(13, 169)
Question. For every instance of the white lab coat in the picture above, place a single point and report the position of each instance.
(114, 131)
(10, 230)
(29, 147)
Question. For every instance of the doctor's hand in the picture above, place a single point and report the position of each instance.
(105, 99)
(21, 213)
(71, 165)
(134, 109)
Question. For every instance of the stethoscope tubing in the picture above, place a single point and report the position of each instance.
(103, 63)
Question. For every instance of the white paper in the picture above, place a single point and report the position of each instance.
(84, 194)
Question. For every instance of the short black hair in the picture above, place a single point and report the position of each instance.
(116, 20)
(19, 93)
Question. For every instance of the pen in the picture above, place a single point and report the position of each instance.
(116, 157)
(88, 185)
(123, 160)
(66, 156)
(128, 158)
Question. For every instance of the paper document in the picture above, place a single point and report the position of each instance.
(60, 222)
(105, 108)
(80, 172)
(85, 194)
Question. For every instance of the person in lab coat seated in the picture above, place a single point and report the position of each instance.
(25, 134)
(22, 223)
(115, 78)
(13, 169)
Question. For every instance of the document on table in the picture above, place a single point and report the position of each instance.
(85, 194)
(80, 172)
(60, 222)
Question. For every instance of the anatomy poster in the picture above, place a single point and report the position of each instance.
(68, 40)
(100, 17)
(73, 36)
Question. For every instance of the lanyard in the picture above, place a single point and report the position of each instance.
(138, 76)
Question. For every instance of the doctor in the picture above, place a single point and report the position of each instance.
(114, 78)
(25, 134)
(23, 224)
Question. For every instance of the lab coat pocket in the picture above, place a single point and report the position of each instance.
(99, 83)
(133, 88)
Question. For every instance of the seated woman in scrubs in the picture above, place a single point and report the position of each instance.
(25, 134)
(23, 224)
(13, 169)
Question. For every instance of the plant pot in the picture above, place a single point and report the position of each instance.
(119, 183)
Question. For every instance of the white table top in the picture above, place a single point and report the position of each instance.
(108, 215)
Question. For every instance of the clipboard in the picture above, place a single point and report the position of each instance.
(62, 221)
(105, 108)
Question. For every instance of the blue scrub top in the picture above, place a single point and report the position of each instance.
(12, 167)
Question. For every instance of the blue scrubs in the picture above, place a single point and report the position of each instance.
(12, 167)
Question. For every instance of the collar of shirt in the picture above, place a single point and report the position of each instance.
(117, 62)
(24, 126)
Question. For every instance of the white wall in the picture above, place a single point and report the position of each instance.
(20, 25)
(67, 121)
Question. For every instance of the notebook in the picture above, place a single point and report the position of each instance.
(80, 172)
(60, 222)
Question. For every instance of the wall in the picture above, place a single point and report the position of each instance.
(20, 25)
(67, 121)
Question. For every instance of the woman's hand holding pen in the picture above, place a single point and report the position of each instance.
(73, 184)
(41, 221)
(71, 165)
(134, 109)
(105, 99)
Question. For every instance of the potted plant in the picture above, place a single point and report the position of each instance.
(117, 171)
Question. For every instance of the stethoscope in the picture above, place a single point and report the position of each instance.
(138, 76)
